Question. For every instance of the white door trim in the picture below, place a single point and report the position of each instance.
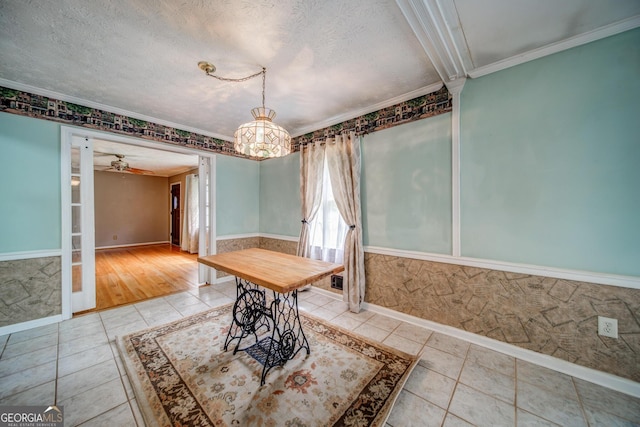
(66, 133)
(85, 299)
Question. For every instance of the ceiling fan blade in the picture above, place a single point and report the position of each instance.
(139, 171)
(101, 154)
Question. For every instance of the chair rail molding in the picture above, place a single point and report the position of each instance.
(12, 256)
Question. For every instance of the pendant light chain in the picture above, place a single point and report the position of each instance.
(244, 79)
(260, 138)
(264, 78)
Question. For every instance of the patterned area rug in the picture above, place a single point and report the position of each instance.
(182, 377)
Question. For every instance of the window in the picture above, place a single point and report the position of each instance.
(328, 229)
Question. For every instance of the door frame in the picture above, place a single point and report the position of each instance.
(206, 234)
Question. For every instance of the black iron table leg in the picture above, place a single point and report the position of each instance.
(281, 317)
(250, 313)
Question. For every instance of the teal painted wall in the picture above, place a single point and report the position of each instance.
(30, 191)
(237, 196)
(549, 171)
(406, 186)
(550, 166)
(280, 196)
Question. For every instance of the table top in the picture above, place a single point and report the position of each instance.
(274, 270)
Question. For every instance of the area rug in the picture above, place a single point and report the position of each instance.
(182, 377)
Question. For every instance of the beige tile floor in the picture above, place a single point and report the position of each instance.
(76, 364)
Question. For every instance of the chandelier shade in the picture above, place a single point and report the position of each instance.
(261, 137)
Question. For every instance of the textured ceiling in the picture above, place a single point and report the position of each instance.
(159, 162)
(513, 27)
(322, 57)
(325, 58)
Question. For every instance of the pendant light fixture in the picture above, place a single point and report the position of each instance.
(260, 137)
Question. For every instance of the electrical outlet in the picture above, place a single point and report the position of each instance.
(607, 327)
(115, 237)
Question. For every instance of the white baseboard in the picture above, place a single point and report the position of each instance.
(18, 327)
(129, 245)
(225, 279)
(604, 379)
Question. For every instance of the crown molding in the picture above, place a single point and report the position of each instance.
(584, 38)
(115, 110)
(436, 25)
(362, 111)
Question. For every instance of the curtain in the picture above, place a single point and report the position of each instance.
(343, 161)
(328, 229)
(311, 166)
(191, 217)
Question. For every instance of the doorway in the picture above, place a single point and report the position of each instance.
(74, 210)
(175, 214)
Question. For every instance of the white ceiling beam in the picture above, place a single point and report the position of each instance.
(437, 27)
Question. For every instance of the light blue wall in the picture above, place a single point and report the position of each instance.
(406, 186)
(237, 196)
(30, 190)
(280, 196)
(551, 160)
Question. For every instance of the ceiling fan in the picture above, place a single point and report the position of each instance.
(120, 165)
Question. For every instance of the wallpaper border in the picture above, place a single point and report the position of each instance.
(20, 102)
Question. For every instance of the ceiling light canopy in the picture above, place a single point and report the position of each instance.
(260, 137)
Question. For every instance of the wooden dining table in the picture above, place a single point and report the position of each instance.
(271, 323)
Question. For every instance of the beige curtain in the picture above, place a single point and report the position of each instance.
(343, 160)
(191, 216)
(311, 167)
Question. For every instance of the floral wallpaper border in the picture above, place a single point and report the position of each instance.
(422, 107)
(42, 107)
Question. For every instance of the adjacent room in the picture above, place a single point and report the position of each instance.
(140, 214)
(439, 227)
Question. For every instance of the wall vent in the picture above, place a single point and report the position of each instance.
(336, 281)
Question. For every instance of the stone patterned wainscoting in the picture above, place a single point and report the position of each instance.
(31, 289)
(290, 247)
(278, 245)
(550, 316)
(228, 245)
(284, 246)
(547, 315)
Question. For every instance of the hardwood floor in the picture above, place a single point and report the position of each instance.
(127, 275)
